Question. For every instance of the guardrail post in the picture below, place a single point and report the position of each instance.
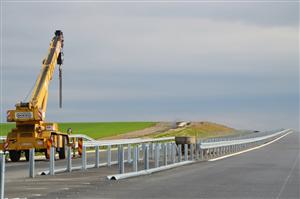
(129, 153)
(151, 150)
(2, 172)
(97, 156)
(179, 152)
(135, 158)
(31, 163)
(83, 158)
(156, 155)
(201, 151)
(146, 157)
(169, 150)
(109, 155)
(69, 156)
(197, 151)
(185, 152)
(138, 153)
(191, 151)
(173, 153)
(165, 158)
(121, 158)
(52, 160)
(143, 148)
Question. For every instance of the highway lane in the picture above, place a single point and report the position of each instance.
(268, 172)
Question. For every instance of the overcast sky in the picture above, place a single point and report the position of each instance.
(232, 63)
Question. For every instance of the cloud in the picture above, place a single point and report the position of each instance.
(223, 62)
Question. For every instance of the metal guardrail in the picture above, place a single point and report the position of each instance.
(125, 141)
(140, 143)
(204, 150)
(246, 140)
(82, 136)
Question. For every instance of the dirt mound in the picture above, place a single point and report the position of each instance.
(158, 128)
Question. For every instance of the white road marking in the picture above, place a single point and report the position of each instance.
(287, 178)
(247, 150)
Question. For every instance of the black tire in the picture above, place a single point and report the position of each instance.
(14, 155)
(26, 155)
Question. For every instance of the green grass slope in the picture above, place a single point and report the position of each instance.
(93, 129)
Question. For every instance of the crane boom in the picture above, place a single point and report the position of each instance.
(40, 91)
(35, 109)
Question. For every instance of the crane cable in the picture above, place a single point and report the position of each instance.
(60, 86)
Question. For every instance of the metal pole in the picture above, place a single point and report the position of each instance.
(185, 152)
(191, 151)
(83, 158)
(97, 156)
(121, 158)
(2, 171)
(146, 157)
(173, 153)
(169, 150)
(156, 155)
(196, 151)
(69, 156)
(109, 155)
(165, 147)
(52, 160)
(129, 153)
(143, 148)
(200, 153)
(138, 153)
(151, 149)
(179, 152)
(31, 163)
(135, 158)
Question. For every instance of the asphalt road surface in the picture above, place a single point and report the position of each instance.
(269, 172)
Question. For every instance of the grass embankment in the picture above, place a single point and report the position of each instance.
(94, 129)
(200, 129)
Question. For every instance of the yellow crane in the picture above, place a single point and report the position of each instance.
(31, 130)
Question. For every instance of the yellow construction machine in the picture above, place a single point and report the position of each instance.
(31, 130)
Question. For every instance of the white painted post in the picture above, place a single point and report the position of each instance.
(52, 160)
(31, 163)
(97, 156)
(2, 172)
(83, 158)
(69, 156)
(135, 159)
(109, 155)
